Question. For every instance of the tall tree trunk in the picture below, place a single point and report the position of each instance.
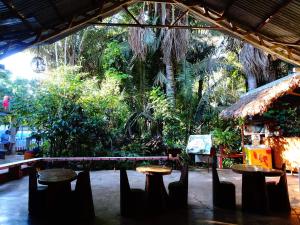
(200, 89)
(251, 81)
(65, 52)
(13, 132)
(170, 85)
(258, 66)
(56, 54)
(142, 82)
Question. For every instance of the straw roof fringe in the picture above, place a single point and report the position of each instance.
(258, 101)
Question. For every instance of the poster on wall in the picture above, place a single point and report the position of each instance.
(199, 144)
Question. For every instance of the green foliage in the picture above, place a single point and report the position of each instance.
(113, 57)
(227, 162)
(74, 116)
(173, 126)
(287, 119)
(230, 139)
(111, 104)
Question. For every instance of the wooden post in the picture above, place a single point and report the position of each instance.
(14, 172)
(243, 143)
(13, 132)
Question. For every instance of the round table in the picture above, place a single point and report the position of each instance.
(251, 169)
(55, 176)
(254, 190)
(59, 189)
(154, 170)
(155, 188)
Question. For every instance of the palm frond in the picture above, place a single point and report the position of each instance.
(160, 79)
(175, 42)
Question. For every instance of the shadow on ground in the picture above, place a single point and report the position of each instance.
(105, 185)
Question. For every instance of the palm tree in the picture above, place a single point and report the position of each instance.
(174, 48)
(172, 42)
(259, 67)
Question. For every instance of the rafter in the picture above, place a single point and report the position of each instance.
(179, 17)
(294, 93)
(156, 26)
(75, 25)
(255, 39)
(296, 44)
(132, 16)
(16, 13)
(225, 11)
(191, 2)
(227, 7)
(22, 43)
(54, 6)
(201, 10)
(272, 15)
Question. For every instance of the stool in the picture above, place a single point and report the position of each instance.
(2, 154)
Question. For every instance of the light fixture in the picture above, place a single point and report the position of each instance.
(38, 64)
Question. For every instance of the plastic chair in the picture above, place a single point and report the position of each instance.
(223, 192)
(178, 190)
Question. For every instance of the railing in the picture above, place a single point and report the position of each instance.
(16, 171)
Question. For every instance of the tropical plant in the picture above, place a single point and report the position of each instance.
(137, 90)
(228, 139)
(286, 118)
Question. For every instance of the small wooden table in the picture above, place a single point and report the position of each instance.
(56, 176)
(59, 189)
(254, 190)
(249, 169)
(155, 188)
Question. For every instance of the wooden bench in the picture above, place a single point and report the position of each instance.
(15, 170)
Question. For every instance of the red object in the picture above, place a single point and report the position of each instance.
(5, 102)
(255, 155)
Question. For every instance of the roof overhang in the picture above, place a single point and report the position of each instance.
(272, 26)
(260, 100)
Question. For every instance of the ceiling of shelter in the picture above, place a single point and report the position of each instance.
(271, 25)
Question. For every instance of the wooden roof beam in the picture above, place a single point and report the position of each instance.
(16, 13)
(225, 11)
(192, 2)
(59, 15)
(294, 93)
(132, 16)
(296, 44)
(273, 14)
(157, 26)
(180, 17)
(255, 39)
(74, 26)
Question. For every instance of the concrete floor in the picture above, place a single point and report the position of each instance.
(12, 158)
(105, 187)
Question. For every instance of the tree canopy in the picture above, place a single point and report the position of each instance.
(124, 91)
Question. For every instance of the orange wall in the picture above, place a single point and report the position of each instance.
(285, 149)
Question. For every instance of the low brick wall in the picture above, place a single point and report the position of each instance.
(15, 170)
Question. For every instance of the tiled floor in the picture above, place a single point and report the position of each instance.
(105, 185)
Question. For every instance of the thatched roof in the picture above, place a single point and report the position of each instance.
(258, 101)
(272, 26)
